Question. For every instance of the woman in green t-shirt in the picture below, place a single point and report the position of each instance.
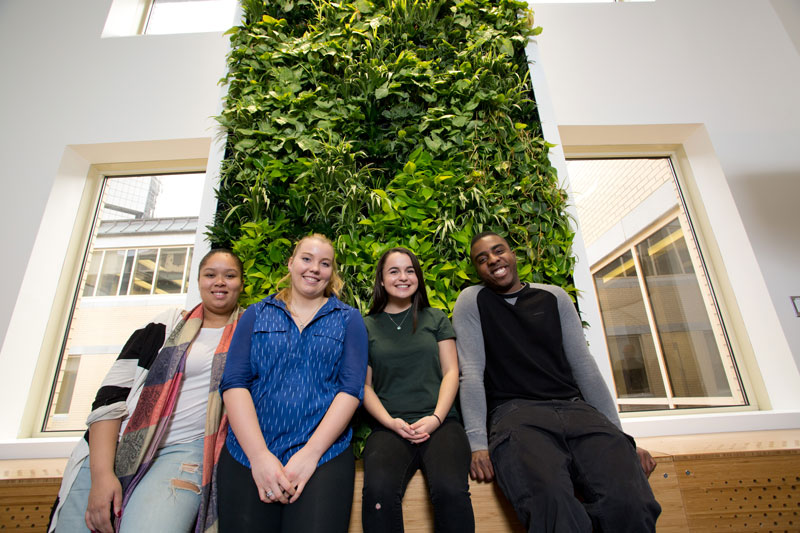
(412, 381)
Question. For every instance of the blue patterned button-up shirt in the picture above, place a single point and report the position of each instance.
(293, 376)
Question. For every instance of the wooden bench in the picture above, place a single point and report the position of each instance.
(727, 481)
(715, 482)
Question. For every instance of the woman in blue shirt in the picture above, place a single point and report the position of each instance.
(294, 377)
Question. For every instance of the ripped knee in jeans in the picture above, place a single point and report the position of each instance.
(182, 484)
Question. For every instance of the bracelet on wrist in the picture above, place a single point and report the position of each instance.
(437, 418)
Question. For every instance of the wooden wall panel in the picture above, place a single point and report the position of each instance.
(741, 493)
(666, 488)
(26, 503)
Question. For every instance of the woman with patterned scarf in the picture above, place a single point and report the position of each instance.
(148, 460)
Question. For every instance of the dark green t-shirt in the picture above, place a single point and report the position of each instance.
(406, 373)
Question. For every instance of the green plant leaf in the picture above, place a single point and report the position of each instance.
(382, 124)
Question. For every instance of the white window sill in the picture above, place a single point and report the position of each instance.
(688, 424)
(38, 448)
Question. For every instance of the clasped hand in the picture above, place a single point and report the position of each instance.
(419, 431)
(271, 481)
(284, 484)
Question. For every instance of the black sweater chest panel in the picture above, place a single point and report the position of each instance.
(524, 352)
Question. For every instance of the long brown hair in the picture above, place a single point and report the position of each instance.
(379, 295)
(334, 285)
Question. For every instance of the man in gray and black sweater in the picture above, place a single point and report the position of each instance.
(553, 428)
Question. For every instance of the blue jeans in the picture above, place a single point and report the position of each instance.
(545, 451)
(166, 499)
(390, 462)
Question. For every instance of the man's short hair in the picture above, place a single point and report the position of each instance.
(480, 236)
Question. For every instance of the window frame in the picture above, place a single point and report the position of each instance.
(67, 291)
(713, 266)
(669, 397)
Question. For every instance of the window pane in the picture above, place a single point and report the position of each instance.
(124, 287)
(67, 385)
(131, 198)
(665, 337)
(91, 273)
(143, 271)
(109, 277)
(76, 388)
(144, 233)
(690, 351)
(188, 270)
(170, 270)
(634, 360)
(188, 16)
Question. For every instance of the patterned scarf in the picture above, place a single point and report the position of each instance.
(150, 419)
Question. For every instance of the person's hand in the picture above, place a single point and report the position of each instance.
(271, 480)
(299, 470)
(481, 469)
(648, 463)
(399, 426)
(424, 428)
(105, 495)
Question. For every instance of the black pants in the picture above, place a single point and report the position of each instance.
(390, 462)
(324, 506)
(542, 451)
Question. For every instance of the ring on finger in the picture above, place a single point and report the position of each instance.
(270, 494)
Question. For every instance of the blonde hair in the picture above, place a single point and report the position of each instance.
(334, 285)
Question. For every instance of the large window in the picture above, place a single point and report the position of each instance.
(666, 340)
(188, 16)
(154, 17)
(136, 264)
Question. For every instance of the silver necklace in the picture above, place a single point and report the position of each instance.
(301, 324)
(400, 325)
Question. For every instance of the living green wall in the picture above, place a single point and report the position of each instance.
(386, 123)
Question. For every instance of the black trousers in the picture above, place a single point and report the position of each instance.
(324, 506)
(543, 451)
(390, 462)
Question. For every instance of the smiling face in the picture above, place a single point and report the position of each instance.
(220, 283)
(311, 268)
(496, 264)
(399, 278)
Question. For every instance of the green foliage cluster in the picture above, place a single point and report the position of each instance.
(384, 123)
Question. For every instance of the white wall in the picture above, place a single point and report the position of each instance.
(63, 84)
(727, 64)
(732, 67)
(70, 99)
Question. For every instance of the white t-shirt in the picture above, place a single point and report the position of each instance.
(188, 420)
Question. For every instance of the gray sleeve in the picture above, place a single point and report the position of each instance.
(471, 363)
(584, 368)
